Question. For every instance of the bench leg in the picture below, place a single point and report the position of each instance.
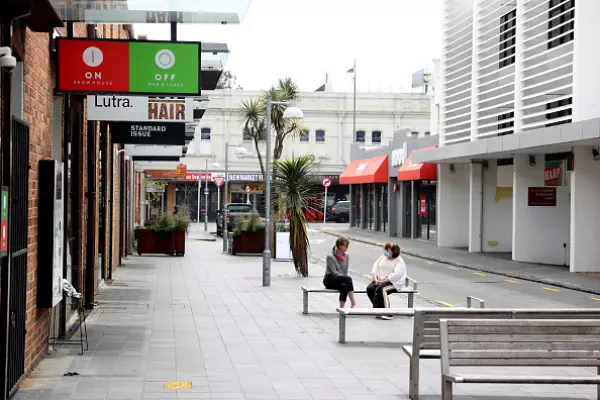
(413, 388)
(447, 390)
(411, 299)
(598, 387)
(342, 338)
(304, 302)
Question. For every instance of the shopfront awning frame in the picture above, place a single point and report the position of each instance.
(360, 172)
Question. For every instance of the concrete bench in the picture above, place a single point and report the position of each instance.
(426, 330)
(344, 313)
(517, 343)
(410, 288)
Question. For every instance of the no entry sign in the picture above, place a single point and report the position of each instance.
(326, 182)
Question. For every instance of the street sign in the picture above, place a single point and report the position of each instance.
(206, 191)
(218, 180)
(247, 189)
(326, 182)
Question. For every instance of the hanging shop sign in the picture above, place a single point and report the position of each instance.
(541, 197)
(195, 176)
(171, 133)
(123, 67)
(136, 108)
(149, 150)
(4, 222)
(423, 205)
(399, 157)
(554, 173)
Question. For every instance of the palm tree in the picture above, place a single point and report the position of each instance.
(294, 178)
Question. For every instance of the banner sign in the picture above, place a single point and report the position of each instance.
(195, 176)
(246, 177)
(123, 67)
(541, 197)
(172, 133)
(149, 150)
(143, 109)
(553, 173)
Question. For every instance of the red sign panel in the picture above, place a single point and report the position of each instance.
(218, 180)
(423, 205)
(541, 197)
(93, 65)
(4, 237)
(326, 182)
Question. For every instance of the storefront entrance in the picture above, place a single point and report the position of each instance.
(426, 208)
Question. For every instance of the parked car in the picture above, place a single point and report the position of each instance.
(339, 212)
(234, 211)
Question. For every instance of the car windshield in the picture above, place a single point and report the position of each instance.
(239, 208)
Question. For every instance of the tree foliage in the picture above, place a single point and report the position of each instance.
(228, 81)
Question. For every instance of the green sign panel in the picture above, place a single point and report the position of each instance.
(553, 173)
(164, 67)
(4, 206)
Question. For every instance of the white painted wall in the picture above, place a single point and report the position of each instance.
(475, 206)
(586, 80)
(453, 206)
(497, 210)
(538, 232)
(329, 111)
(585, 220)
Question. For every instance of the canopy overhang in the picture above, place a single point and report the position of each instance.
(414, 171)
(370, 170)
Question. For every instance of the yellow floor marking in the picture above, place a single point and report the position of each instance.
(368, 276)
(595, 298)
(479, 273)
(453, 268)
(446, 304)
(429, 262)
(552, 290)
(510, 281)
(177, 385)
(408, 257)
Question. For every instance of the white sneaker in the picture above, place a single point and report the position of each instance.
(387, 317)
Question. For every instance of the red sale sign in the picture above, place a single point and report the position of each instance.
(423, 205)
(93, 65)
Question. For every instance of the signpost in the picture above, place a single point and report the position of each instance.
(326, 183)
(218, 180)
(247, 194)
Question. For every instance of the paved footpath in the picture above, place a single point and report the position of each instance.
(205, 318)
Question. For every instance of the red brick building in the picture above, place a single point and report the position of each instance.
(37, 125)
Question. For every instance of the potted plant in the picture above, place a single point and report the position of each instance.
(283, 250)
(248, 236)
(164, 234)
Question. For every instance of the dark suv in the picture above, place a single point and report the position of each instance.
(340, 212)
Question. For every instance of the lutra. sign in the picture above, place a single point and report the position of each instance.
(140, 109)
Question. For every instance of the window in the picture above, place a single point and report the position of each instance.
(561, 19)
(508, 34)
(247, 134)
(560, 113)
(205, 134)
(304, 136)
(506, 125)
(360, 137)
(320, 135)
(376, 137)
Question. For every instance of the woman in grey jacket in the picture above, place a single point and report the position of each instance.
(336, 274)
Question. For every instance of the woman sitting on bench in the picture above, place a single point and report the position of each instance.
(389, 274)
(336, 274)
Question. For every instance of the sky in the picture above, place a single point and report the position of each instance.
(308, 39)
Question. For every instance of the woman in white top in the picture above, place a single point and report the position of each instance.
(389, 274)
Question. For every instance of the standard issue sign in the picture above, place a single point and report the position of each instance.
(172, 133)
(143, 109)
(326, 182)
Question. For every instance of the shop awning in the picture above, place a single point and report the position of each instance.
(370, 170)
(411, 171)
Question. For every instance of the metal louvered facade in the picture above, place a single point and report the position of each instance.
(508, 67)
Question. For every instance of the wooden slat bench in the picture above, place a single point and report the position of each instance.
(518, 343)
(344, 313)
(410, 288)
(426, 330)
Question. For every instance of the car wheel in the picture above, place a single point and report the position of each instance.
(342, 218)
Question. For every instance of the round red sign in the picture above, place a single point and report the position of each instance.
(326, 182)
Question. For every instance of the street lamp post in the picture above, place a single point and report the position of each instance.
(206, 196)
(353, 72)
(291, 112)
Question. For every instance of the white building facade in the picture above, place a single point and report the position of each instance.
(519, 130)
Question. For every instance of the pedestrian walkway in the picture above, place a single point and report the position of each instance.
(496, 264)
(204, 324)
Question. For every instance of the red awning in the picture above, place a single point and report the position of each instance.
(410, 171)
(370, 170)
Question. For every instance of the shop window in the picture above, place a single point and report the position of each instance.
(304, 135)
(560, 113)
(205, 134)
(507, 124)
(320, 135)
(376, 137)
(561, 19)
(508, 34)
(360, 137)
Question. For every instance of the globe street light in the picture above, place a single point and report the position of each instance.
(291, 112)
